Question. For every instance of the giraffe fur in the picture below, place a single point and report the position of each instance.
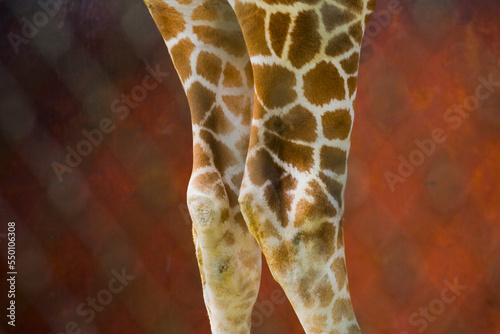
(271, 86)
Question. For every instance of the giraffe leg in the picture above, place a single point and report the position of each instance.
(304, 57)
(209, 53)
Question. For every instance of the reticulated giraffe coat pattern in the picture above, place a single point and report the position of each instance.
(271, 86)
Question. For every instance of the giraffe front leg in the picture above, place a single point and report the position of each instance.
(228, 258)
(209, 54)
(305, 60)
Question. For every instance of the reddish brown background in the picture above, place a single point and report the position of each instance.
(123, 206)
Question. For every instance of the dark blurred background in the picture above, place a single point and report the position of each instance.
(95, 157)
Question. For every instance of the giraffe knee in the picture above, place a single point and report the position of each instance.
(204, 210)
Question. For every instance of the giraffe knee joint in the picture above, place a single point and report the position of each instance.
(204, 210)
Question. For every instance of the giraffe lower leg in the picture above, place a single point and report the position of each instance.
(305, 60)
(209, 53)
(306, 257)
(229, 263)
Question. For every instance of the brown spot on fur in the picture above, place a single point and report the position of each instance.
(181, 53)
(304, 288)
(275, 124)
(220, 190)
(212, 180)
(320, 209)
(302, 124)
(206, 12)
(302, 212)
(230, 41)
(342, 308)
(228, 238)
(205, 179)
(240, 221)
(288, 183)
(338, 45)
(281, 258)
(322, 239)
(352, 84)
(252, 19)
(242, 146)
(239, 105)
(249, 74)
(298, 124)
(324, 292)
(254, 135)
(371, 4)
(212, 10)
(333, 158)
(236, 179)
(340, 234)
(218, 122)
(209, 66)
(274, 85)
(201, 100)
(232, 77)
(270, 230)
(222, 155)
(200, 158)
(169, 21)
(278, 195)
(339, 270)
(318, 323)
(306, 41)
(350, 65)
(279, 24)
(336, 124)
(323, 83)
(297, 155)
(334, 16)
(258, 110)
(356, 31)
(261, 167)
(275, 201)
(333, 187)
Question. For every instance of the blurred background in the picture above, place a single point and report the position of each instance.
(95, 157)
